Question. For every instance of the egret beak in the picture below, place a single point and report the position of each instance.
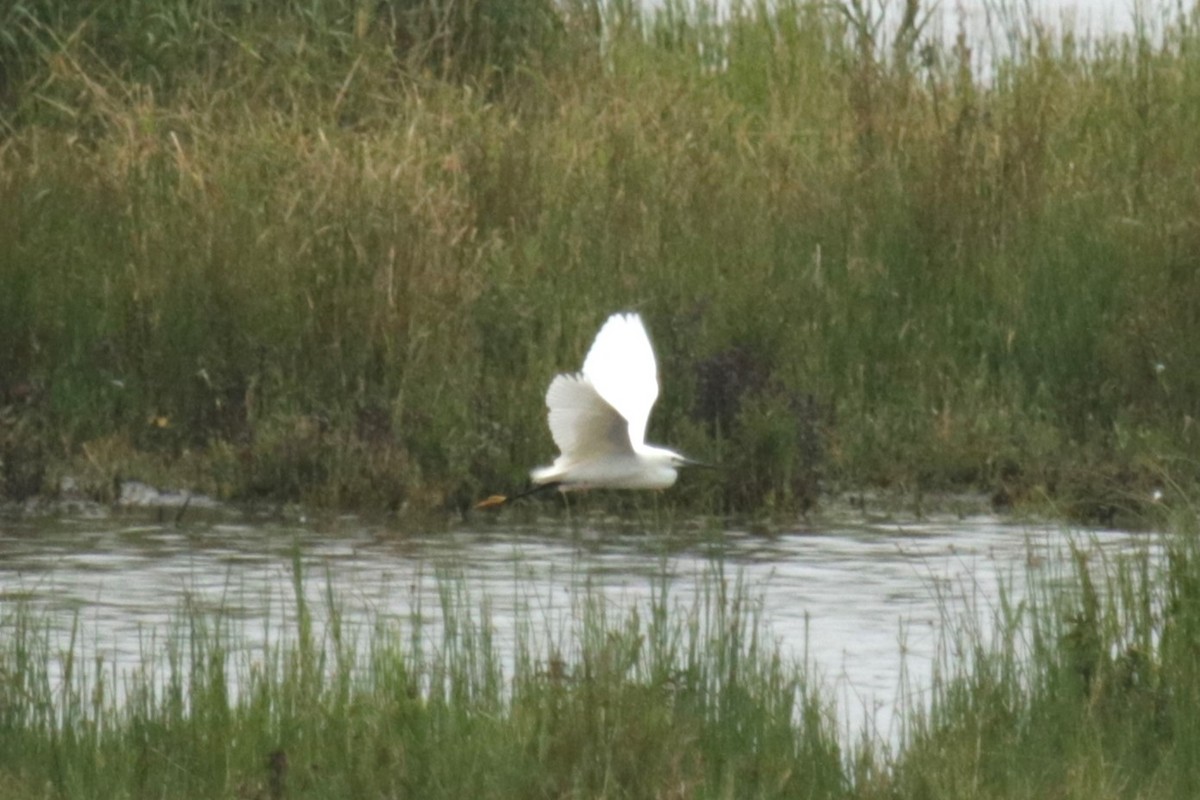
(691, 462)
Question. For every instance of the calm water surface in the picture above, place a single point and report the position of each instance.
(859, 601)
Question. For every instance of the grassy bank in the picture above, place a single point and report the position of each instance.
(1086, 689)
(334, 251)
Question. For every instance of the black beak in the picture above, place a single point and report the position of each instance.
(691, 462)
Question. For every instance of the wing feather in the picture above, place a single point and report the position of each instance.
(583, 423)
(621, 369)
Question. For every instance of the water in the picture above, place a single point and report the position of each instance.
(993, 30)
(984, 21)
(858, 601)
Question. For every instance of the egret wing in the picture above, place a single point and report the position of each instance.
(621, 368)
(584, 425)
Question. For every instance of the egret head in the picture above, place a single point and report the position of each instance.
(665, 463)
(674, 459)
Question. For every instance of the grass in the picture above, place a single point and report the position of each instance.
(1086, 688)
(637, 706)
(334, 251)
(1083, 692)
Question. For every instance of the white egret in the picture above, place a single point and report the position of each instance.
(598, 419)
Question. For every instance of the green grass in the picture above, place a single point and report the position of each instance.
(335, 251)
(1087, 688)
(669, 699)
(1085, 691)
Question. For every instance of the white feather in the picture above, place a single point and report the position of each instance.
(598, 417)
(621, 368)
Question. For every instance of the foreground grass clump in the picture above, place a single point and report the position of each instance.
(334, 251)
(1087, 688)
(694, 704)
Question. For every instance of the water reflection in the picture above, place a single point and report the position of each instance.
(849, 599)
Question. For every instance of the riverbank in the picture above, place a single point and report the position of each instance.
(334, 254)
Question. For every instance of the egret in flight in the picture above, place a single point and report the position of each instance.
(598, 419)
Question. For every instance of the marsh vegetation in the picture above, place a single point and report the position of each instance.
(334, 251)
(1079, 680)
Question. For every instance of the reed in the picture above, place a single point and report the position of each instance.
(1082, 692)
(670, 698)
(1085, 687)
(334, 251)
